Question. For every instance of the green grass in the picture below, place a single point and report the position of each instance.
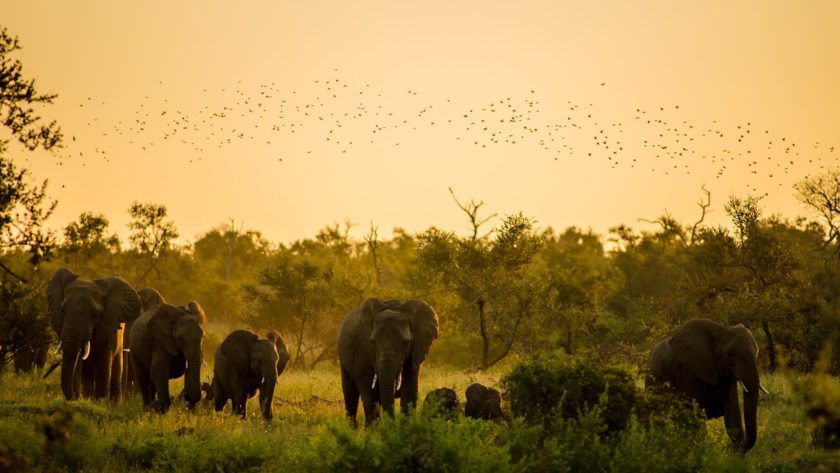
(309, 433)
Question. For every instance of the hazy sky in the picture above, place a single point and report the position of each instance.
(289, 116)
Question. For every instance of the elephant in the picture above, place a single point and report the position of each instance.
(483, 403)
(148, 298)
(443, 402)
(378, 343)
(706, 360)
(166, 343)
(88, 317)
(244, 363)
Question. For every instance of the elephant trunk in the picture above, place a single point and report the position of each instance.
(71, 345)
(192, 378)
(749, 377)
(387, 368)
(267, 393)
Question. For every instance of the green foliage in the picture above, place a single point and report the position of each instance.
(541, 389)
(409, 443)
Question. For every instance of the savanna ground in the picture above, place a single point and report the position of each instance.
(39, 431)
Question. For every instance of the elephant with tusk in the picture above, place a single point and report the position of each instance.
(88, 316)
(708, 361)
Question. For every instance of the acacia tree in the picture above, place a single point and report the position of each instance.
(821, 194)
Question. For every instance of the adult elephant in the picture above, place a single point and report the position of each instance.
(245, 363)
(149, 298)
(378, 343)
(87, 316)
(166, 343)
(706, 361)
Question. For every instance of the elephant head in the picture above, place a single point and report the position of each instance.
(180, 332)
(149, 298)
(257, 359)
(282, 350)
(83, 311)
(401, 335)
(718, 355)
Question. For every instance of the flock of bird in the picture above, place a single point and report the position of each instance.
(343, 116)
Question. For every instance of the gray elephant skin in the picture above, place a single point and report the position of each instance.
(87, 316)
(167, 343)
(706, 361)
(245, 363)
(149, 298)
(483, 403)
(379, 343)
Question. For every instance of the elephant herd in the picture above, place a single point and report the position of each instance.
(115, 340)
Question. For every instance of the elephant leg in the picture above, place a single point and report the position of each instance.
(144, 381)
(116, 377)
(102, 374)
(219, 396)
(351, 395)
(409, 386)
(369, 399)
(159, 374)
(88, 376)
(732, 414)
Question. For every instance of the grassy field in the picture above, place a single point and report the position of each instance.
(39, 432)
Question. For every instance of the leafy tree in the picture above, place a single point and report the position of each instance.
(821, 194)
(151, 236)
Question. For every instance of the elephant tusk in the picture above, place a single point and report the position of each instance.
(187, 365)
(373, 384)
(203, 363)
(87, 351)
(127, 350)
(743, 386)
(262, 380)
(764, 389)
(58, 348)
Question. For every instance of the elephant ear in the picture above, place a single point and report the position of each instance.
(122, 303)
(195, 308)
(372, 307)
(282, 350)
(424, 325)
(55, 296)
(237, 349)
(149, 298)
(695, 352)
(161, 324)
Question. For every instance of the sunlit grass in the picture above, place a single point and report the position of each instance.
(109, 437)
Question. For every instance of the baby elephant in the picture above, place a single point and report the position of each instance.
(483, 403)
(444, 401)
(245, 363)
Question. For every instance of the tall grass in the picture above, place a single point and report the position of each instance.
(40, 432)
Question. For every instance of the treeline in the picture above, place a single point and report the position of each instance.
(509, 289)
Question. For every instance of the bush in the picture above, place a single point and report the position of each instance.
(543, 388)
(409, 443)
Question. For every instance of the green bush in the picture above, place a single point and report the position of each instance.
(408, 443)
(542, 388)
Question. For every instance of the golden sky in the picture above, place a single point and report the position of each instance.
(596, 113)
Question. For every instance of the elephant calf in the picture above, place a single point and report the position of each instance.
(483, 403)
(244, 363)
(444, 401)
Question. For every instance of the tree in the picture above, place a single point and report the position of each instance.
(495, 276)
(23, 207)
(151, 235)
(821, 194)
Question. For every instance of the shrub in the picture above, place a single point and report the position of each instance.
(542, 388)
(408, 443)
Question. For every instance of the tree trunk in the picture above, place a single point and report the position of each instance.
(485, 337)
(771, 346)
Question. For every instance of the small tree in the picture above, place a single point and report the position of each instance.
(151, 235)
